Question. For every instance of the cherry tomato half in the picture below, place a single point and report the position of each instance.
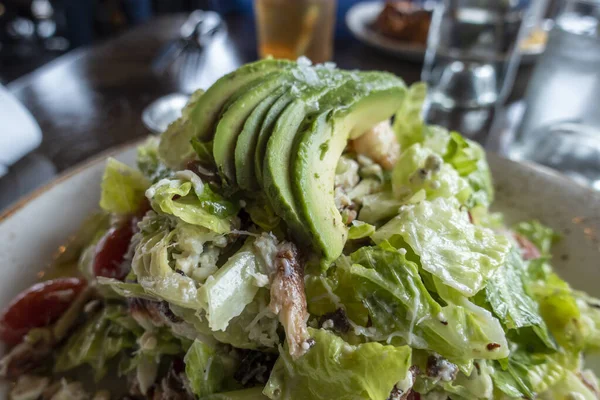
(111, 250)
(40, 305)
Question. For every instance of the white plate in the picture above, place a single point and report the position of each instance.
(33, 229)
(360, 19)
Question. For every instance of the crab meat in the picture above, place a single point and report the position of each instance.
(288, 299)
(379, 144)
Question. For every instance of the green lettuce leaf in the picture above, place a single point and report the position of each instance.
(334, 369)
(148, 161)
(420, 169)
(360, 230)
(205, 369)
(187, 198)
(175, 149)
(254, 328)
(510, 302)
(245, 394)
(234, 286)
(462, 255)
(262, 214)
(108, 333)
(378, 207)
(468, 158)
(570, 387)
(540, 235)
(590, 318)
(385, 299)
(122, 188)
(152, 267)
(408, 122)
(558, 307)
(204, 151)
(528, 374)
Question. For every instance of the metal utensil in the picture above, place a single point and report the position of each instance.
(184, 57)
(186, 53)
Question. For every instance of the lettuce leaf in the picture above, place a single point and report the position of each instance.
(421, 169)
(148, 161)
(334, 369)
(205, 369)
(360, 230)
(528, 374)
(379, 207)
(570, 387)
(468, 158)
(122, 188)
(540, 235)
(227, 292)
(590, 317)
(245, 394)
(462, 255)
(509, 301)
(108, 333)
(187, 198)
(152, 267)
(204, 151)
(385, 299)
(175, 149)
(408, 122)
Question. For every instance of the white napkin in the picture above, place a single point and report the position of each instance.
(19, 132)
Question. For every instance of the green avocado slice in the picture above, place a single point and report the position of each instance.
(233, 119)
(175, 146)
(276, 166)
(265, 133)
(353, 109)
(246, 142)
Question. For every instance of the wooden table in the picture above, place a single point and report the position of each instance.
(91, 99)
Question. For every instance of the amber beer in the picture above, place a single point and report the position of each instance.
(293, 28)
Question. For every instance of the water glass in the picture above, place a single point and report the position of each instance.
(561, 124)
(471, 53)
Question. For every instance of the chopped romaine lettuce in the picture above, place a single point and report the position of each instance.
(360, 230)
(468, 158)
(122, 188)
(385, 300)
(447, 244)
(510, 302)
(105, 335)
(334, 369)
(226, 293)
(148, 162)
(378, 207)
(262, 214)
(204, 151)
(421, 169)
(192, 201)
(206, 369)
(570, 387)
(175, 148)
(540, 235)
(408, 122)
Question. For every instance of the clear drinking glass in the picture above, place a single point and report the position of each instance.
(561, 124)
(471, 52)
(293, 28)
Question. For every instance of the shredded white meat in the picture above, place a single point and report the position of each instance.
(288, 299)
(379, 144)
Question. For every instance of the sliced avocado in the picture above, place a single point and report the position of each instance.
(175, 146)
(265, 130)
(353, 109)
(232, 121)
(276, 166)
(246, 142)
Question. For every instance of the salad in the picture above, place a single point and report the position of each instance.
(301, 234)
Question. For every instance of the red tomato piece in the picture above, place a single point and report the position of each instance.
(38, 306)
(111, 250)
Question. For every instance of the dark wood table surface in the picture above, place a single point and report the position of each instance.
(91, 99)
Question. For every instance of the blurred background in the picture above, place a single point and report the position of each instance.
(78, 77)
